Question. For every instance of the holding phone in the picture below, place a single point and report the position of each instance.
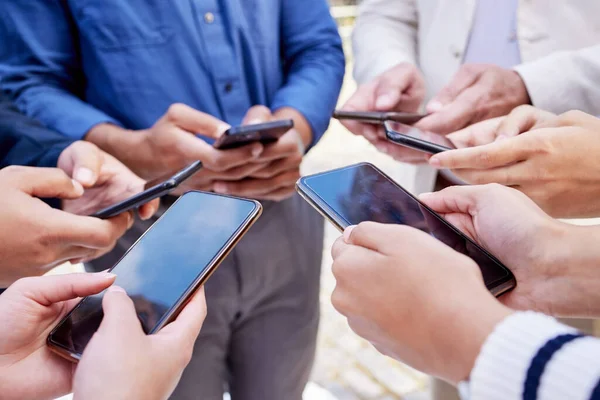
(361, 192)
(165, 267)
(265, 133)
(416, 139)
(375, 117)
(150, 194)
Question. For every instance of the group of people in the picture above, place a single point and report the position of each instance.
(101, 96)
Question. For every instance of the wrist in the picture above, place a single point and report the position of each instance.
(522, 93)
(573, 272)
(300, 124)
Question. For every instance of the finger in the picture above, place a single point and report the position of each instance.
(186, 327)
(277, 167)
(493, 155)
(391, 86)
(463, 79)
(257, 115)
(48, 290)
(147, 210)
(83, 162)
(521, 119)
(339, 245)
(196, 122)
(516, 174)
(45, 182)
(455, 115)
(119, 313)
(362, 100)
(222, 160)
(75, 230)
(288, 145)
(279, 194)
(457, 199)
(377, 237)
(255, 187)
(478, 134)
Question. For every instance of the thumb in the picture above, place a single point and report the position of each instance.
(82, 161)
(463, 79)
(257, 115)
(389, 92)
(119, 312)
(47, 183)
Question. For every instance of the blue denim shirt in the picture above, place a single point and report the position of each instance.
(75, 63)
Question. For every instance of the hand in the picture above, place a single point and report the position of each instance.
(553, 166)
(554, 262)
(278, 165)
(105, 179)
(477, 92)
(36, 237)
(29, 310)
(402, 88)
(414, 298)
(171, 144)
(520, 120)
(121, 362)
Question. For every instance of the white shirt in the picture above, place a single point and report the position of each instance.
(493, 38)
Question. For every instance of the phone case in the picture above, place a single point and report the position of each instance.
(185, 297)
(341, 224)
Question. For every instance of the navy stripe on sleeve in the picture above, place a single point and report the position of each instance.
(539, 362)
(596, 392)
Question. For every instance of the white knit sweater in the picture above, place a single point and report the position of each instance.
(531, 356)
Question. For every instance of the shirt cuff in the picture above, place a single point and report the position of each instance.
(501, 368)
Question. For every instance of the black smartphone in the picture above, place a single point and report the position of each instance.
(266, 133)
(150, 194)
(361, 192)
(165, 267)
(408, 136)
(376, 117)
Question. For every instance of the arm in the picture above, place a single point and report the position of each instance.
(385, 35)
(25, 142)
(566, 368)
(565, 81)
(39, 66)
(314, 63)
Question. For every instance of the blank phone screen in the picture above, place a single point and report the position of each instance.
(167, 261)
(362, 193)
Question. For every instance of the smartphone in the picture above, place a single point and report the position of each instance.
(375, 117)
(361, 192)
(409, 136)
(264, 133)
(165, 267)
(150, 194)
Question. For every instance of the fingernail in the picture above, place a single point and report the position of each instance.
(255, 121)
(220, 188)
(116, 289)
(107, 275)
(424, 196)
(434, 106)
(348, 232)
(257, 151)
(384, 101)
(77, 186)
(435, 162)
(85, 176)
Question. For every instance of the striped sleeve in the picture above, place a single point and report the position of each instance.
(531, 356)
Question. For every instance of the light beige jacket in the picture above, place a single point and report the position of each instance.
(559, 42)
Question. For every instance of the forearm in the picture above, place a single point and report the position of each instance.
(531, 354)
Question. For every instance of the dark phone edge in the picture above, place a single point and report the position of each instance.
(414, 143)
(280, 124)
(149, 194)
(502, 285)
(170, 315)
